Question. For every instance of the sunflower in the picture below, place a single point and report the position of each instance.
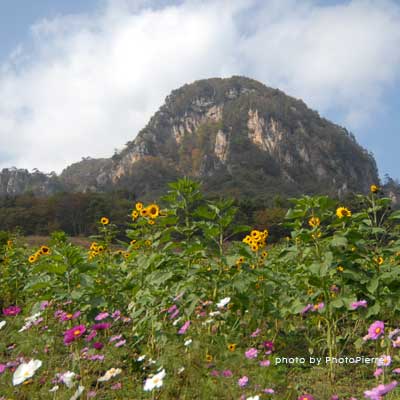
(264, 254)
(153, 210)
(9, 243)
(255, 234)
(252, 266)
(209, 357)
(374, 188)
(151, 222)
(45, 250)
(104, 221)
(135, 214)
(32, 258)
(340, 268)
(139, 206)
(379, 260)
(133, 241)
(232, 347)
(247, 239)
(126, 255)
(93, 246)
(147, 243)
(254, 247)
(343, 212)
(144, 212)
(314, 222)
(100, 249)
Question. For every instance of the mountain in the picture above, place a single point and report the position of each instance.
(238, 137)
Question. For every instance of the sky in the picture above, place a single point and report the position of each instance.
(80, 78)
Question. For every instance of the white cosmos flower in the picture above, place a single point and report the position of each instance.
(176, 321)
(110, 374)
(78, 392)
(141, 358)
(2, 323)
(156, 381)
(180, 370)
(68, 379)
(222, 303)
(54, 388)
(214, 313)
(254, 398)
(25, 371)
(188, 342)
(29, 321)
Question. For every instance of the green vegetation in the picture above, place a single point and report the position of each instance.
(180, 310)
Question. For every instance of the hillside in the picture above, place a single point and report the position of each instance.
(235, 135)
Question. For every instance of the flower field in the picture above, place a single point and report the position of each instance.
(194, 306)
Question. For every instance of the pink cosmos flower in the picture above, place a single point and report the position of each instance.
(358, 304)
(11, 311)
(256, 333)
(269, 391)
(379, 391)
(114, 338)
(251, 353)
(120, 343)
(265, 363)
(214, 372)
(101, 316)
(96, 357)
(378, 372)
(306, 309)
(74, 333)
(376, 330)
(90, 337)
(227, 373)
(184, 328)
(306, 397)
(243, 381)
(116, 315)
(116, 386)
(396, 371)
(318, 307)
(44, 304)
(335, 397)
(384, 361)
(2, 368)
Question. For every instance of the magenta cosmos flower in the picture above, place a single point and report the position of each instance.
(376, 330)
(11, 311)
(101, 326)
(306, 397)
(74, 333)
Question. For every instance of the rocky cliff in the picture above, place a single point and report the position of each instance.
(239, 138)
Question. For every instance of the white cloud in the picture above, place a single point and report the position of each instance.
(89, 83)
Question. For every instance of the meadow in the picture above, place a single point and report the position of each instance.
(195, 306)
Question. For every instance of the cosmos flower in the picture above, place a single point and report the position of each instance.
(184, 328)
(243, 381)
(101, 316)
(25, 371)
(358, 304)
(156, 381)
(384, 361)
(74, 333)
(11, 311)
(222, 303)
(376, 330)
(379, 391)
(111, 373)
(251, 353)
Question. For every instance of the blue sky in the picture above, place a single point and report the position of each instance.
(83, 76)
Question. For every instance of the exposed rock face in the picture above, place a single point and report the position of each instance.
(238, 137)
(15, 181)
(241, 137)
